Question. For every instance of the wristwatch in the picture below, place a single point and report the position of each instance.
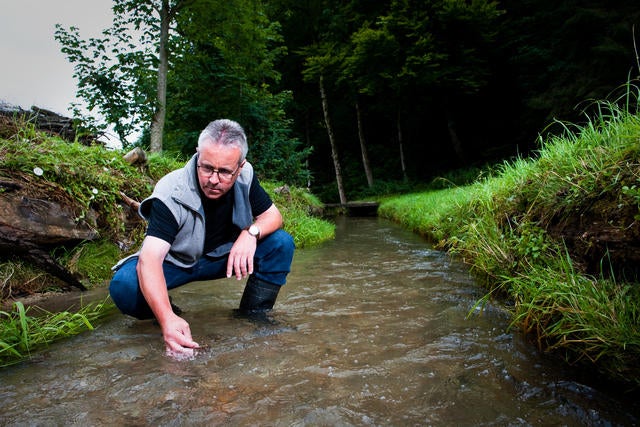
(254, 231)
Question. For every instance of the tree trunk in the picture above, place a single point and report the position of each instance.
(157, 122)
(456, 144)
(307, 138)
(334, 150)
(363, 147)
(455, 141)
(403, 166)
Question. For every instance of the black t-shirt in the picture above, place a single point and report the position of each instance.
(219, 226)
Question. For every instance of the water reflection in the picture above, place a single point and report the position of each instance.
(372, 329)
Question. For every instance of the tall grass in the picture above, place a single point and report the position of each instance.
(499, 226)
(23, 334)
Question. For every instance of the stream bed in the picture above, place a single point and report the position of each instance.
(374, 328)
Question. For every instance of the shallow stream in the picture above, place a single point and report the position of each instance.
(372, 329)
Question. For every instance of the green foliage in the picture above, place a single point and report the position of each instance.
(225, 69)
(373, 54)
(298, 208)
(586, 320)
(93, 260)
(116, 73)
(275, 153)
(634, 193)
(532, 242)
(161, 164)
(22, 334)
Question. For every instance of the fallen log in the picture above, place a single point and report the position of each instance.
(137, 156)
(30, 226)
(47, 121)
(133, 204)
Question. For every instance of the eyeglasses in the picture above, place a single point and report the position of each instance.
(223, 174)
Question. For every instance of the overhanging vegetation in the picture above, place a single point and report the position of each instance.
(536, 234)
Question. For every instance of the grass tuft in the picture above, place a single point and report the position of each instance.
(22, 335)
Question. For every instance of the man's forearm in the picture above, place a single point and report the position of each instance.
(154, 289)
(269, 221)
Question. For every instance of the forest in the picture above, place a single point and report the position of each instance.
(354, 98)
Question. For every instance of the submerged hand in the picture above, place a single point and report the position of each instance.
(177, 337)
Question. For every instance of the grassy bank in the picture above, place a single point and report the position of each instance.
(557, 236)
(90, 182)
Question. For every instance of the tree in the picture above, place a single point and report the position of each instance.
(397, 57)
(116, 72)
(321, 60)
(363, 146)
(569, 52)
(223, 66)
(371, 67)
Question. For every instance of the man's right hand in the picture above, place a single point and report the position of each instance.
(177, 337)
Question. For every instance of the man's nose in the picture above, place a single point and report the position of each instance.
(215, 178)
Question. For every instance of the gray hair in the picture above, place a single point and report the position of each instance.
(225, 132)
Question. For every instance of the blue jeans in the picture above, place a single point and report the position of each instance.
(271, 263)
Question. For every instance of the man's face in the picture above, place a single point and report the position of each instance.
(214, 162)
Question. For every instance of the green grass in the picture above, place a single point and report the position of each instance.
(499, 225)
(296, 206)
(22, 334)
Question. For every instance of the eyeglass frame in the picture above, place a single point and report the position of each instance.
(208, 171)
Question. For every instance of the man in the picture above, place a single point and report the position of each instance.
(209, 220)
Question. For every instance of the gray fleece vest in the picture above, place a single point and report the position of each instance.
(179, 191)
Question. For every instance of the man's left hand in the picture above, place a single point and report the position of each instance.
(240, 260)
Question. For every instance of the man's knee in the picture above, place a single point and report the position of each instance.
(274, 257)
(284, 243)
(125, 292)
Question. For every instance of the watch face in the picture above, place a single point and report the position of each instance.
(253, 230)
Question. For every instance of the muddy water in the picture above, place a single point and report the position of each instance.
(372, 329)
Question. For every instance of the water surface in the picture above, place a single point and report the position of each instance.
(372, 329)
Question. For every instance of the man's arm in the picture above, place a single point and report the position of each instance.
(241, 256)
(268, 221)
(175, 330)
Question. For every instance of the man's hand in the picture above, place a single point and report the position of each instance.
(241, 255)
(177, 337)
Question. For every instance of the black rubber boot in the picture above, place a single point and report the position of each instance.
(258, 297)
